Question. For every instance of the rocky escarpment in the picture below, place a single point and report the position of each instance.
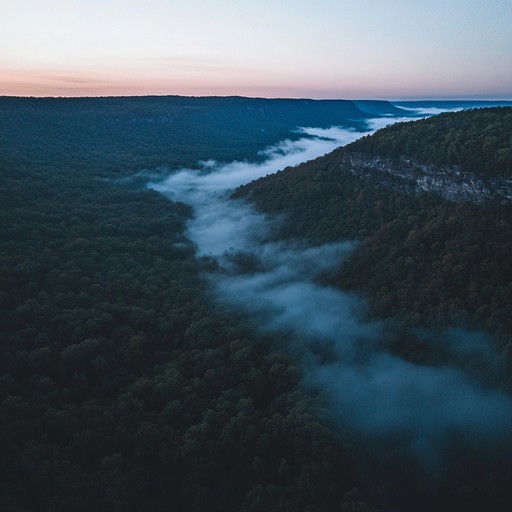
(451, 182)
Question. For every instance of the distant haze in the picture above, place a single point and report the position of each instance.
(322, 49)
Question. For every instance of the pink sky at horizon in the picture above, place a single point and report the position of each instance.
(66, 84)
(330, 49)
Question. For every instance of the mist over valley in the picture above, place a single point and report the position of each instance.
(405, 410)
(256, 304)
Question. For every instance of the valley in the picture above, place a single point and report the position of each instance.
(183, 323)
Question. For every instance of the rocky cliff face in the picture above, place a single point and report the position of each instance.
(451, 182)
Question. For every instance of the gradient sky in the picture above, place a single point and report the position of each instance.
(270, 48)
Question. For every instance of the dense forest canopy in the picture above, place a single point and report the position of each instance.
(424, 263)
(422, 258)
(123, 388)
(116, 136)
(474, 140)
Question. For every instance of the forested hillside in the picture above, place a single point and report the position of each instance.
(478, 141)
(424, 259)
(451, 104)
(118, 136)
(424, 264)
(121, 389)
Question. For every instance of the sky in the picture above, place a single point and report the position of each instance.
(395, 49)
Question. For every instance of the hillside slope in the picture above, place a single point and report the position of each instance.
(479, 141)
(422, 257)
(116, 136)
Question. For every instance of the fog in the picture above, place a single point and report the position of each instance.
(432, 111)
(416, 410)
(221, 223)
(376, 398)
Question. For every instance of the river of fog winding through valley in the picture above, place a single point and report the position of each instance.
(378, 398)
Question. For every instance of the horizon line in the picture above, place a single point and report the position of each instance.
(461, 98)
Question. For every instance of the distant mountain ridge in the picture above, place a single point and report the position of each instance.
(118, 135)
(380, 108)
(452, 104)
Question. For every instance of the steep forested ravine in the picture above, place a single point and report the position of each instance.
(437, 276)
(122, 388)
(155, 355)
(434, 256)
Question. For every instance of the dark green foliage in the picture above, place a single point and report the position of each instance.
(120, 389)
(422, 263)
(421, 257)
(323, 203)
(475, 140)
(107, 136)
(448, 263)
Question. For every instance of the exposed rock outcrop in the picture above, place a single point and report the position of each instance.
(451, 182)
